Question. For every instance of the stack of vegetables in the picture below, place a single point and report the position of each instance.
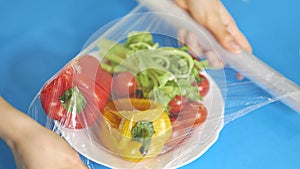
(146, 99)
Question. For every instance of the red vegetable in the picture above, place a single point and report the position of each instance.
(123, 84)
(203, 85)
(75, 95)
(194, 113)
(176, 104)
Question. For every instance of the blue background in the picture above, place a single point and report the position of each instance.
(38, 37)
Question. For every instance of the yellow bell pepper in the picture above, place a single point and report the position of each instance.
(135, 128)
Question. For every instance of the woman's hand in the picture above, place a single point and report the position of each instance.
(42, 148)
(214, 16)
(33, 146)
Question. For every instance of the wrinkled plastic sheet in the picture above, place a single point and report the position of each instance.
(228, 98)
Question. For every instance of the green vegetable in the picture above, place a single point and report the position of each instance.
(161, 72)
(142, 132)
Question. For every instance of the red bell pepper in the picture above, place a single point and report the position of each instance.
(76, 94)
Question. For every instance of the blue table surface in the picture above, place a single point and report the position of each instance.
(38, 37)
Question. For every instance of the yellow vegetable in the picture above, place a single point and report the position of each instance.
(135, 128)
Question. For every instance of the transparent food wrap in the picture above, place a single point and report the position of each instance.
(137, 96)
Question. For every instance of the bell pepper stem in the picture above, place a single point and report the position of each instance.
(145, 146)
(72, 99)
(142, 132)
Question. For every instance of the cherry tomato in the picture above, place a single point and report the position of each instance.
(193, 113)
(176, 104)
(203, 85)
(123, 84)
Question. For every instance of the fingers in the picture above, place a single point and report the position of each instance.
(233, 29)
(214, 60)
(222, 25)
(215, 24)
(197, 51)
(187, 38)
(182, 4)
(239, 76)
(213, 15)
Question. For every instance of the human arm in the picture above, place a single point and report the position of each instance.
(34, 146)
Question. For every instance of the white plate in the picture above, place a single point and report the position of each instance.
(191, 149)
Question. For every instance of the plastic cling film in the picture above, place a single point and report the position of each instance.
(136, 96)
(263, 75)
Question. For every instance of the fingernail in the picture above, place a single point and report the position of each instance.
(235, 47)
(214, 60)
(182, 36)
(239, 76)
